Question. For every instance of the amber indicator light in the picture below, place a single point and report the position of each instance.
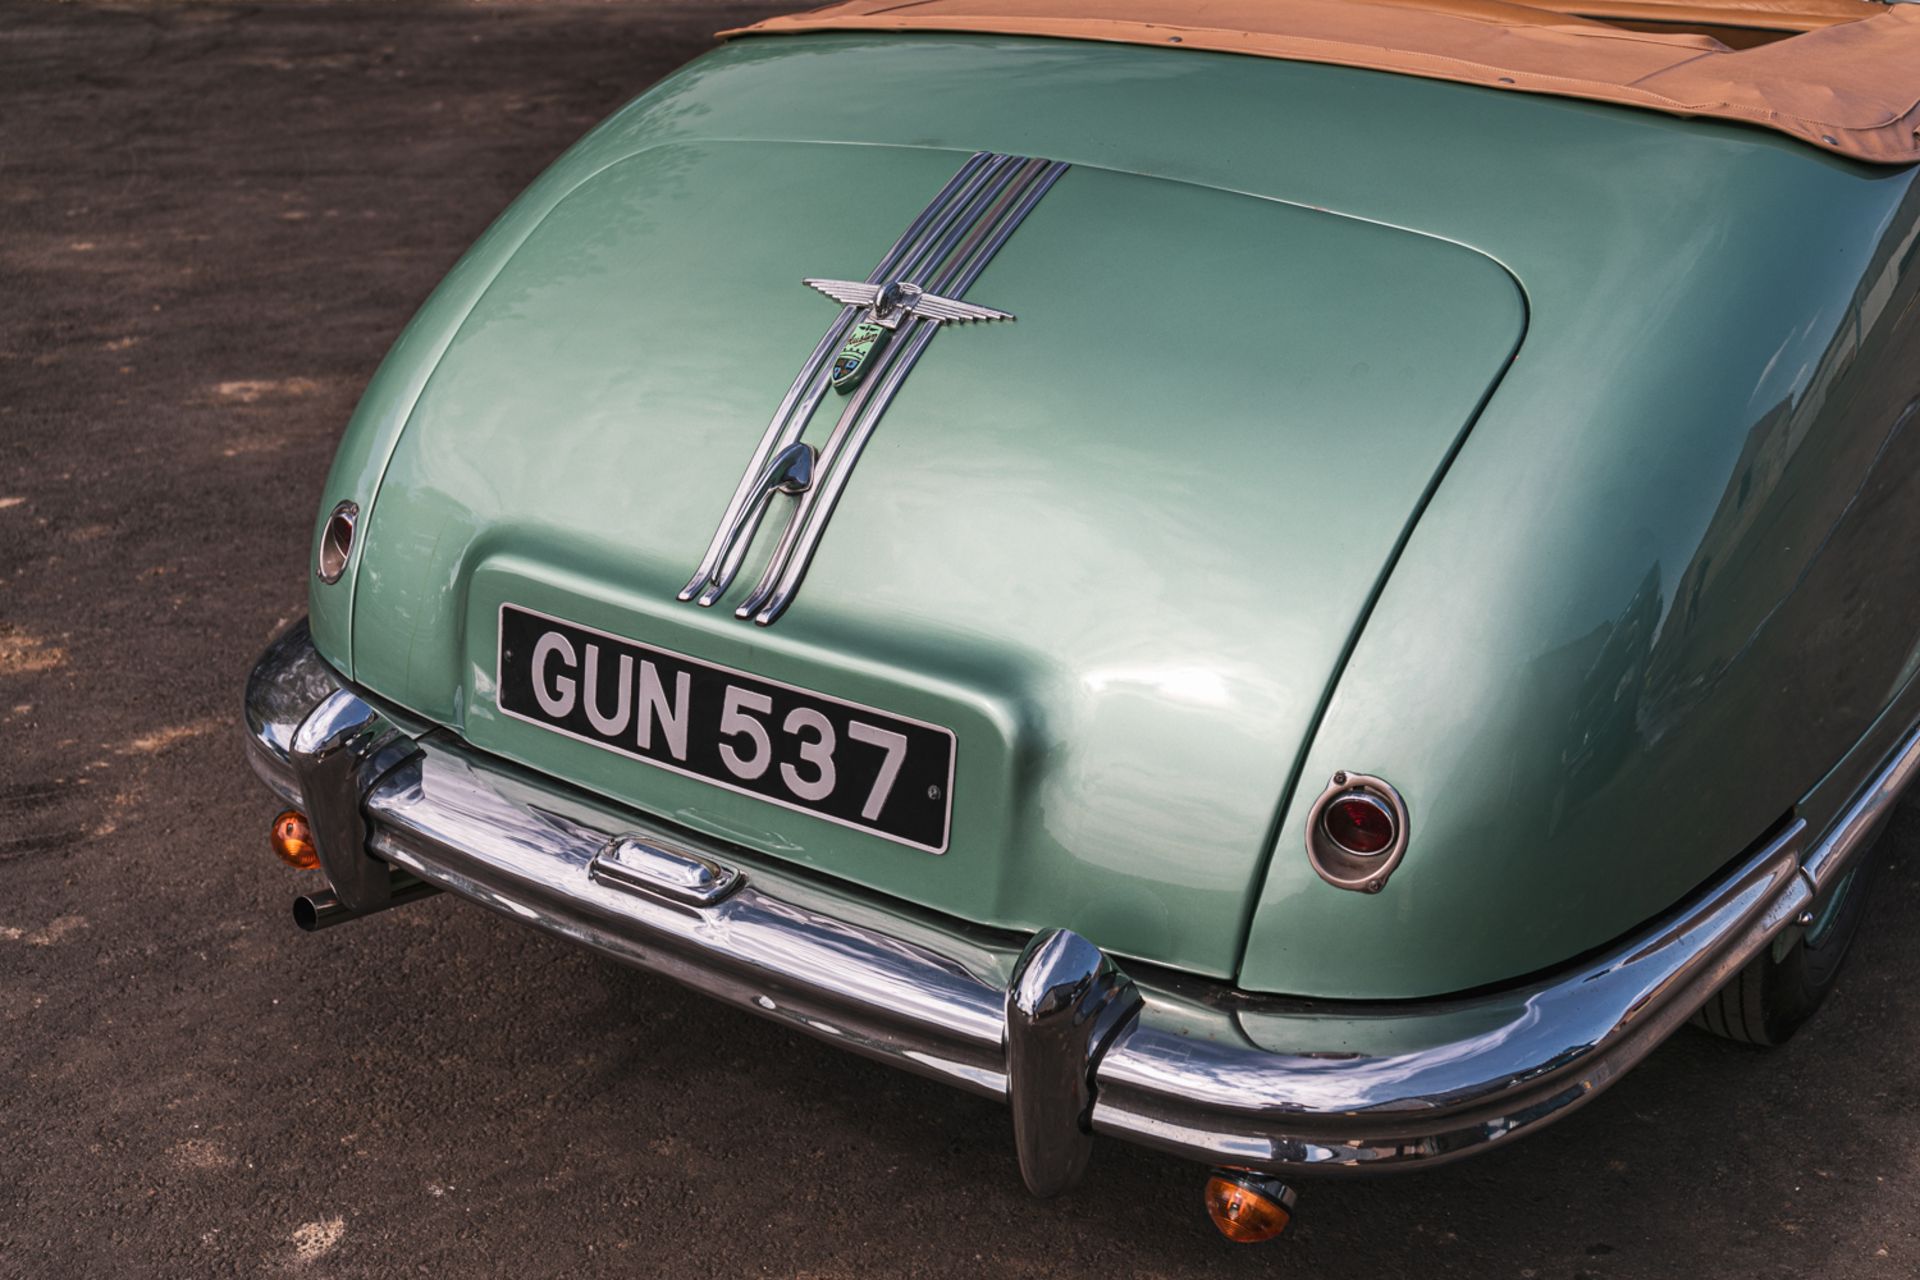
(293, 840)
(1248, 1209)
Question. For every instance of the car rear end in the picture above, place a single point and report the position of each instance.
(1316, 461)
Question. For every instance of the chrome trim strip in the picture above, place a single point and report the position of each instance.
(962, 213)
(950, 243)
(797, 406)
(1861, 820)
(790, 472)
(1202, 1071)
(933, 244)
(795, 551)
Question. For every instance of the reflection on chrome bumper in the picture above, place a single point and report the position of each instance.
(1188, 1067)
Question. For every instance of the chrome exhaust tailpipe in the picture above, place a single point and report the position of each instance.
(323, 910)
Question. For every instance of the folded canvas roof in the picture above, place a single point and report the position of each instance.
(1845, 77)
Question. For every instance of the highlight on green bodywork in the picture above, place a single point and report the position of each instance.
(862, 345)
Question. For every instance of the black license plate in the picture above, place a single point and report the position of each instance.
(847, 763)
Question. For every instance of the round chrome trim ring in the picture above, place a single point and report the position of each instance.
(1339, 866)
(336, 542)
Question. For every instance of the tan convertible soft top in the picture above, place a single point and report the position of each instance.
(1849, 81)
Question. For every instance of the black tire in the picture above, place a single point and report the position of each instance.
(1770, 999)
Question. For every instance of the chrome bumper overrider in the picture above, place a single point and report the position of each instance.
(1055, 1028)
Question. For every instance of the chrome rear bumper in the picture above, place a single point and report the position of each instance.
(1191, 1068)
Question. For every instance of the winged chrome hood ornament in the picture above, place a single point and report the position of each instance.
(887, 305)
(948, 245)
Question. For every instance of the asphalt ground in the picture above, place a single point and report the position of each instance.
(213, 220)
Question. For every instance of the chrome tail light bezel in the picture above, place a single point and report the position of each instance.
(335, 551)
(1345, 868)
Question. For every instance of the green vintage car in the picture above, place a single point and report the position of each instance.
(1298, 584)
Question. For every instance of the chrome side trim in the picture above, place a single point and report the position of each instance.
(1194, 1068)
(1861, 820)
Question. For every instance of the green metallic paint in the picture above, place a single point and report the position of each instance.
(1602, 662)
(1083, 567)
(388, 401)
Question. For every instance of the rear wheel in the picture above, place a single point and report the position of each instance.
(1766, 1002)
